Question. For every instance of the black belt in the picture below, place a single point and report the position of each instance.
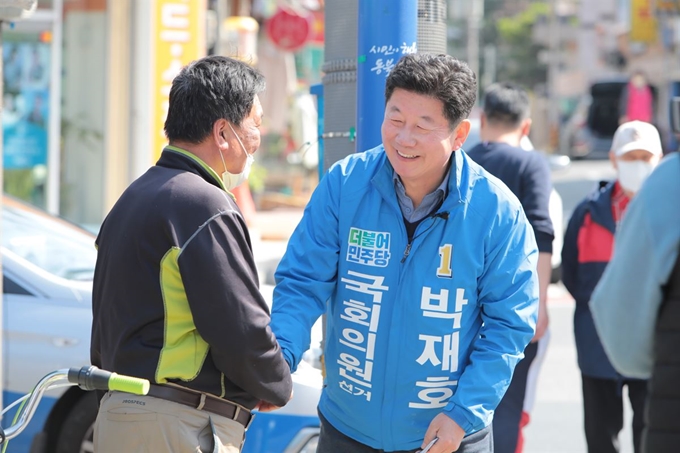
(202, 401)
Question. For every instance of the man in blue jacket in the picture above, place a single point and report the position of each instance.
(588, 246)
(425, 265)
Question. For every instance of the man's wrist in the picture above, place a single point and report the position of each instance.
(459, 415)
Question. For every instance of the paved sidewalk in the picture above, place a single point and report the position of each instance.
(276, 224)
(557, 418)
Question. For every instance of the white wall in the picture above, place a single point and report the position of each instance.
(83, 116)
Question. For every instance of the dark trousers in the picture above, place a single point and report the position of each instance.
(333, 441)
(603, 412)
(506, 419)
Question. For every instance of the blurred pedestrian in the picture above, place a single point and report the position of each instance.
(426, 267)
(588, 245)
(176, 298)
(505, 120)
(637, 100)
(636, 305)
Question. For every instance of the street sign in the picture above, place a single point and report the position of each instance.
(289, 30)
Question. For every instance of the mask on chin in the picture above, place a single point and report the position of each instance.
(233, 180)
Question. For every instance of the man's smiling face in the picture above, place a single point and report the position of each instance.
(418, 139)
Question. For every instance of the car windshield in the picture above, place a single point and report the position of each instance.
(51, 243)
(603, 113)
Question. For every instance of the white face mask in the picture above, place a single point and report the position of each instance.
(633, 173)
(232, 180)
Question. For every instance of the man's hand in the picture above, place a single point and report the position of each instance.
(264, 406)
(544, 270)
(542, 323)
(449, 433)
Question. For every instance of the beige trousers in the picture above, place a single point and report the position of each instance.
(144, 424)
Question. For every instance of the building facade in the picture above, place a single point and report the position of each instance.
(86, 84)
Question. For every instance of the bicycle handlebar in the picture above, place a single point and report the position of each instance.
(92, 378)
(87, 378)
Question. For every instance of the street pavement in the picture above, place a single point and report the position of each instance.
(557, 418)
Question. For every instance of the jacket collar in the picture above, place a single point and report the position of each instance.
(600, 205)
(181, 159)
(383, 180)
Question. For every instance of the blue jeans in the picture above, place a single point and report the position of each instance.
(333, 441)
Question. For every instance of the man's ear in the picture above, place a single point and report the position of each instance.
(526, 127)
(460, 133)
(612, 158)
(218, 131)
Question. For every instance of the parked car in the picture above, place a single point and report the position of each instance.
(48, 265)
(590, 130)
(556, 163)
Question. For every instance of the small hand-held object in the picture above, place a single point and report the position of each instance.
(428, 446)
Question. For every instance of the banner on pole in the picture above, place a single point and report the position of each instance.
(643, 25)
(178, 39)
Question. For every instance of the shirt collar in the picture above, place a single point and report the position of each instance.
(429, 203)
(443, 187)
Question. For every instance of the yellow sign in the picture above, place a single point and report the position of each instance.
(643, 27)
(178, 39)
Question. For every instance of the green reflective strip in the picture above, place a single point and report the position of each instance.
(199, 162)
(184, 351)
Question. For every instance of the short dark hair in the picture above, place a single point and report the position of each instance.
(209, 89)
(439, 76)
(506, 104)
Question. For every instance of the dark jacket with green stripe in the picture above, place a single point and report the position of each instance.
(176, 293)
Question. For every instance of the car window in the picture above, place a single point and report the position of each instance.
(9, 286)
(604, 111)
(49, 242)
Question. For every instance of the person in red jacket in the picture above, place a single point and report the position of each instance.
(588, 246)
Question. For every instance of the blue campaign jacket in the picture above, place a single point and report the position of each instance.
(412, 330)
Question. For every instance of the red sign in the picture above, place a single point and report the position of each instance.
(317, 35)
(288, 30)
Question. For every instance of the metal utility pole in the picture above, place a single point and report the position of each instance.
(379, 49)
(386, 33)
(489, 65)
(474, 26)
(553, 68)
